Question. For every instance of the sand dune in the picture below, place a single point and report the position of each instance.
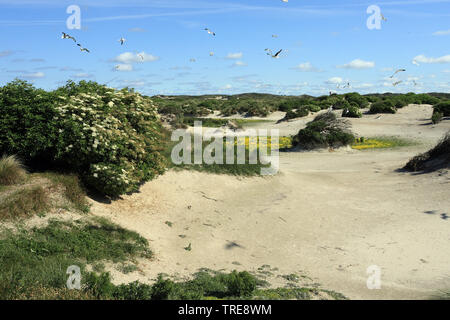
(328, 215)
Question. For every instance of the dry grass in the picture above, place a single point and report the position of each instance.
(435, 159)
(24, 203)
(11, 170)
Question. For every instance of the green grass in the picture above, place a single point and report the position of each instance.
(33, 265)
(218, 122)
(36, 259)
(246, 169)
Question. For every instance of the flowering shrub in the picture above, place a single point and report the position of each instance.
(111, 138)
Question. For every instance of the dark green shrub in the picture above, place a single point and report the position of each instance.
(352, 112)
(437, 117)
(443, 107)
(386, 106)
(324, 131)
(358, 99)
(240, 284)
(27, 125)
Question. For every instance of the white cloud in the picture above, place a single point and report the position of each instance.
(33, 75)
(239, 64)
(335, 80)
(424, 59)
(124, 67)
(83, 75)
(137, 30)
(306, 67)
(5, 53)
(442, 33)
(130, 57)
(227, 87)
(358, 64)
(237, 55)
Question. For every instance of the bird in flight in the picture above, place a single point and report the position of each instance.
(66, 36)
(211, 54)
(82, 49)
(397, 71)
(192, 60)
(141, 56)
(274, 36)
(382, 17)
(397, 83)
(210, 32)
(276, 55)
(122, 41)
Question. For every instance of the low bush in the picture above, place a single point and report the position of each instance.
(443, 107)
(352, 112)
(111, 138)
(434, 159)
(437, 117)
(385, 106)
(324, 131)
(11, 170)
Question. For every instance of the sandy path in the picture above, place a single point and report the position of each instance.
(328, 215)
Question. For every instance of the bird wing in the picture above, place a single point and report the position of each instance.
(276, 54)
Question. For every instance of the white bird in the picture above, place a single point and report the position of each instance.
(66, 36)
(210, 32)
(397, 71)
(122, 41)
(276, 55)
(330, 109)
(82, 49)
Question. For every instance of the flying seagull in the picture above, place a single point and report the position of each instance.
(210, 32)
(122, 40)
(66, 36)
(276, 55)
(399, 70)
(82, 49)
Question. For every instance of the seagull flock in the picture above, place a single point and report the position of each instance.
(268, 51)
(67, 36)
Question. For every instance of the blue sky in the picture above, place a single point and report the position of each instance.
(326, 43)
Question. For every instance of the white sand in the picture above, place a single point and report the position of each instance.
(327, 215)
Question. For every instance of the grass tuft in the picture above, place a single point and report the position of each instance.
(11, 170)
